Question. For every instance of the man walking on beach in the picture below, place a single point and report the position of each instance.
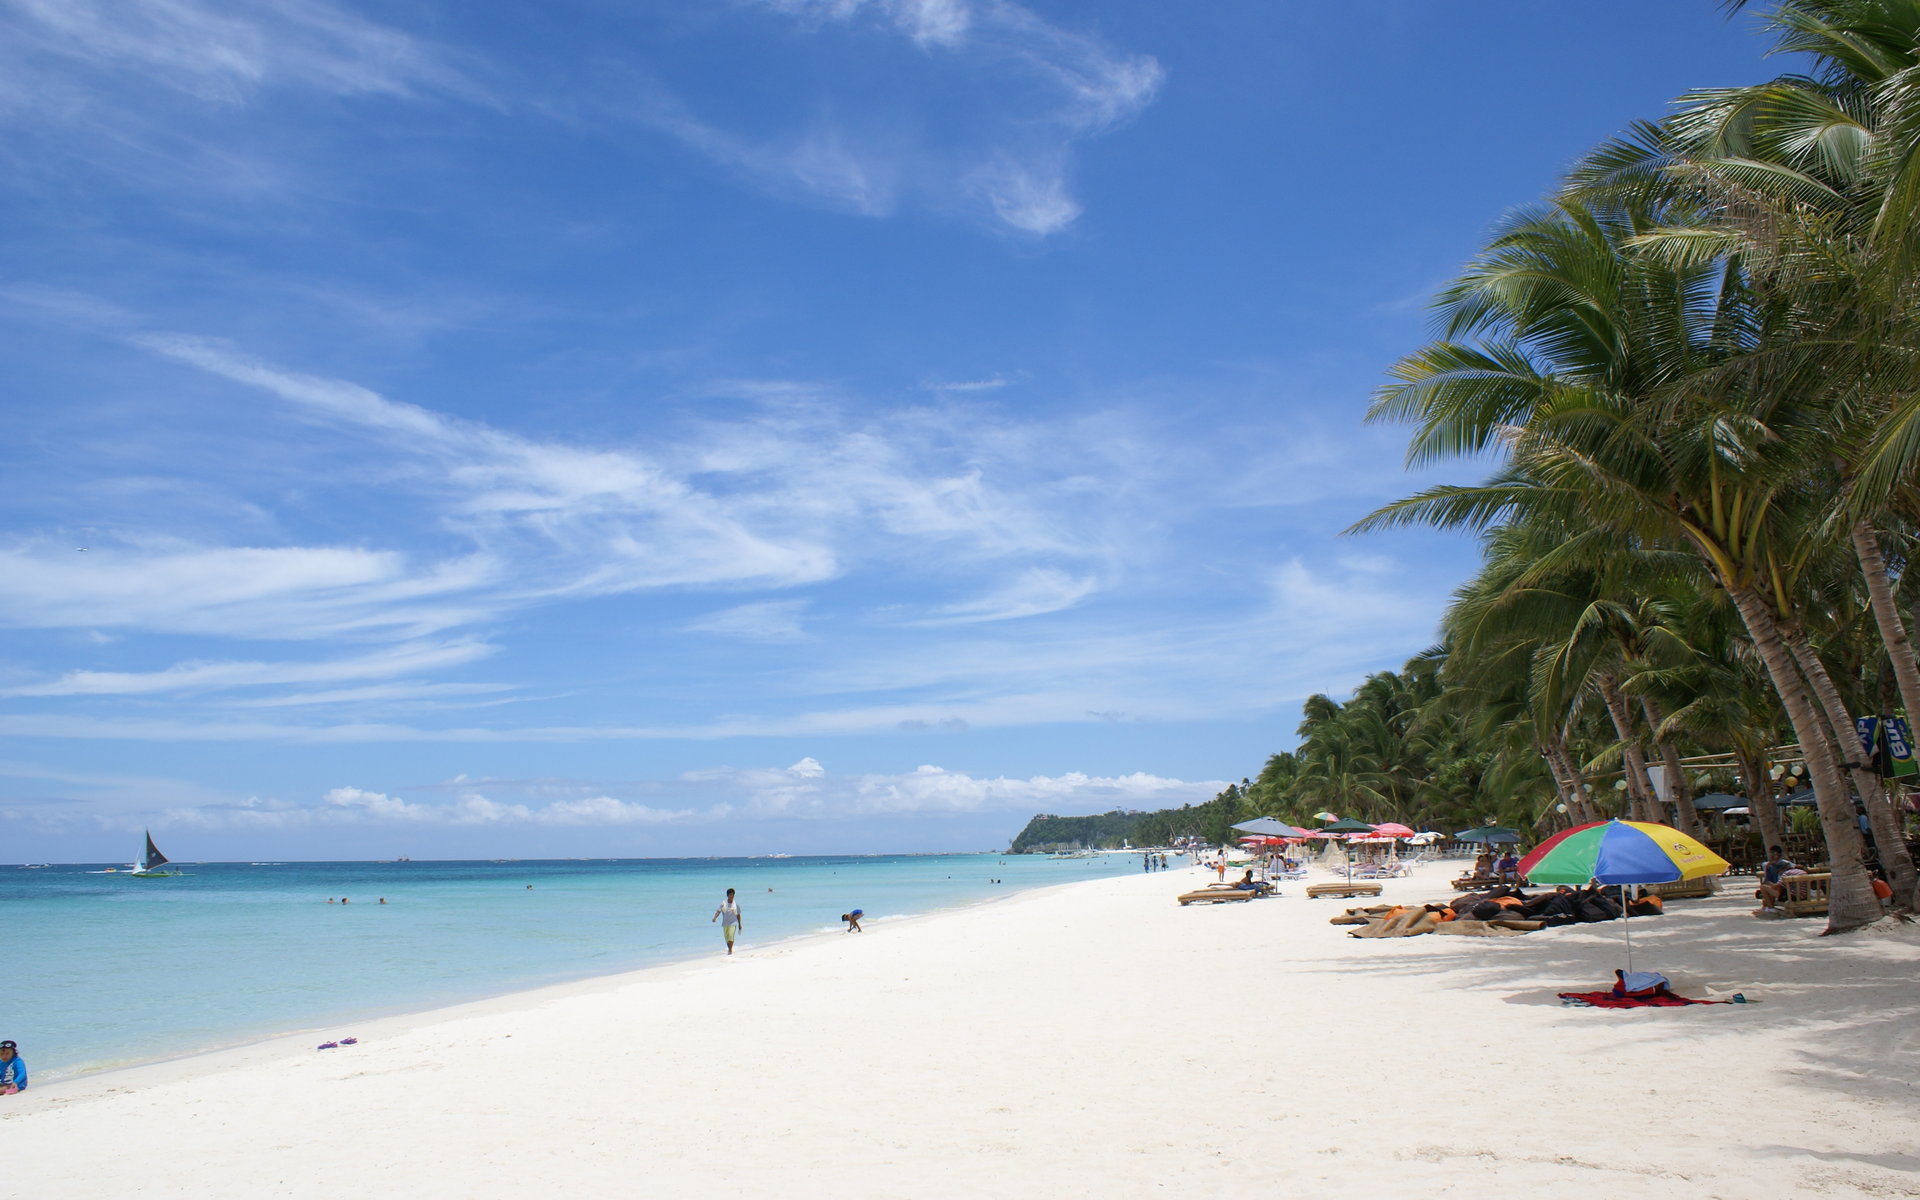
(728, 914)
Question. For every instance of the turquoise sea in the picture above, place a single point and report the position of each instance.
(106, 970)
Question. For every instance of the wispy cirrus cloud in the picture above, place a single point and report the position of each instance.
(404, 659)
(1032, 90)
(990, 383)
(154, 583)
(222, 52)
(767, 621)
(1037, 591)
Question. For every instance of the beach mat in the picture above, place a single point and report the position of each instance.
(1659, 999)
(1467, 927)
(1406, 922)
(1639, 989)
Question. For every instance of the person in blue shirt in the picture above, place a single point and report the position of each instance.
(1771, 872)
(13, 1069)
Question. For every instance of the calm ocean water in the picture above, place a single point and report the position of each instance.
(107, 970)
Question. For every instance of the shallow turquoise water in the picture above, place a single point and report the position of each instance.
(108, 970)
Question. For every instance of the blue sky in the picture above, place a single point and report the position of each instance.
(726, 426)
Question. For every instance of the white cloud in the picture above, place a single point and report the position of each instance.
(1041, 88)
(215, 676)
(1032, 195)
(224, 52)
(769, 621)
(991, 383)
(804, 791)
(928, 22)
(1037, 591)
(239, 591)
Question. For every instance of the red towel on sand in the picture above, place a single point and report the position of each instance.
(1660, 999)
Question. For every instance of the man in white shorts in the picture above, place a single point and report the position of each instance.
(728, 914)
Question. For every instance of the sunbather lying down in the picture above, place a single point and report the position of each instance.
(1381, 921)
(1494, 914)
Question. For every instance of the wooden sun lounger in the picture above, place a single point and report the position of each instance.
(1684, 889)
(1213, 895)
(1343, 888)
(1806, 895)
(1475, 883)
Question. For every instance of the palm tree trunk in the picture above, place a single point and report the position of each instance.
(1881, 817)
(1906, 667)
(1562, 789)
(1851, 904)
(1584, 809)
(1685, 817)
(1760, 800)
(1893, 630)
(1641, 802)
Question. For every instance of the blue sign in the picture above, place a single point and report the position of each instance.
(1869, 728)
(1900, 759)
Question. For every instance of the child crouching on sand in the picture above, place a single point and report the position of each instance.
(13, 1069)
(853, 919)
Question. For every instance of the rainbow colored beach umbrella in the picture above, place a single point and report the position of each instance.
(1619, 851)
(1622, 852)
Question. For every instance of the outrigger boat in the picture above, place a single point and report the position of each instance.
(153, 864)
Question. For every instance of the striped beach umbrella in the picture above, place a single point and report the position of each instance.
(1619, 851)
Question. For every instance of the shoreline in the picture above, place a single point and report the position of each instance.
(1090, 1037)
(245, 1049)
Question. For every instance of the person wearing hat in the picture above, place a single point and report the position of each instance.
(13, 1069)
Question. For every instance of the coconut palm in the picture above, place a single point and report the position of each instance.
(1593, 370)
(1811, 183)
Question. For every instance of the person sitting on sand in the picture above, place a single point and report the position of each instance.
(853, 919)
(13, 1069)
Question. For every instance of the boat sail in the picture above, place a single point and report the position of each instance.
(152, 864)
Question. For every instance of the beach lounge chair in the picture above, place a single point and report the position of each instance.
(1683, 889)
(1357, 887)
(1805, 895)
(1214, 894)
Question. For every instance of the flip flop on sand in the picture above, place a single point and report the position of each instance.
(328, 1046)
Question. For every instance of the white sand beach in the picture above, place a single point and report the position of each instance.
(1088, 1040)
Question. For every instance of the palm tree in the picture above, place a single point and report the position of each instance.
(1588, 373)
(1811, 184)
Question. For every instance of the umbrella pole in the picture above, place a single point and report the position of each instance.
(1626, 915)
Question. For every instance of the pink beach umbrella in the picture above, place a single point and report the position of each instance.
(1393, 829)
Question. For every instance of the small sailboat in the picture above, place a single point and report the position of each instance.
(152, 864)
